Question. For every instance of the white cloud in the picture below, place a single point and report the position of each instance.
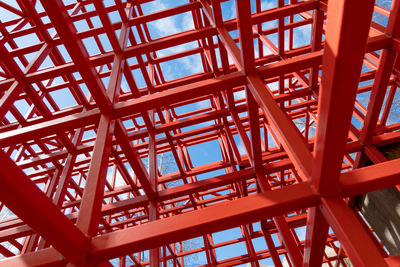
(302, 35)
(166, 26)
(203, 104)
(265, 5)
(157, 5)
(233, 9)
(241, 149)
(273, 86)
(239, 95)
(172, 25)
(192, 64)
(187, 21)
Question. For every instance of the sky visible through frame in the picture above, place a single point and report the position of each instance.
(203, 153)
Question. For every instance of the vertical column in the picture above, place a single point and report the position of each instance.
(153, 206)
(90, 209)
(348, 24)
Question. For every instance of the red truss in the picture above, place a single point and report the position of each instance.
(264, 120)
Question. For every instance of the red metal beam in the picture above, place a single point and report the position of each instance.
(31, 205)
(212, 219)
(66, 152)
(341, 69)
(67, 32)
(351, 234)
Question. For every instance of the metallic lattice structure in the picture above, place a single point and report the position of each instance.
(126, 145)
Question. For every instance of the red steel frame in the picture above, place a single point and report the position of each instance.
(60, 181)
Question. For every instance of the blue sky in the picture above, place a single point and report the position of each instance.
(200, 154)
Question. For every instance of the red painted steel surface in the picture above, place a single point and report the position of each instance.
(264, 132)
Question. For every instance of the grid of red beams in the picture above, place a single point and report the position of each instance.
(60, 181)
